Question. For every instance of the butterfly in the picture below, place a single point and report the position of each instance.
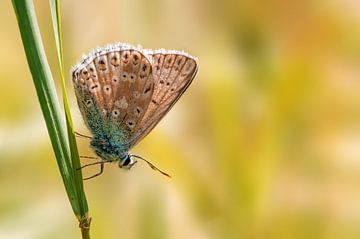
(123, 92)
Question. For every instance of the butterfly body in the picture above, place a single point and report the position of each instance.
(108, 141)
(124, 91)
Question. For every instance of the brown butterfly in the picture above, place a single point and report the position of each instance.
(123, 92)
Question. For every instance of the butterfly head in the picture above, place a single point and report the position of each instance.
(127, 162)
(110, 150)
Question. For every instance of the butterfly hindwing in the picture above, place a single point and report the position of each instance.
(134, 96)
(173, 72)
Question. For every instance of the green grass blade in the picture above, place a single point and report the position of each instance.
(55, 12)
(46, 93)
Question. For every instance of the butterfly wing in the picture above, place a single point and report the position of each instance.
(114, 87)
(172, 74)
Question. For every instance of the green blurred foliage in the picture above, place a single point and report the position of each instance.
(264, 144)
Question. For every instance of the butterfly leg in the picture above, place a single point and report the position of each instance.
(101, 168)
(99, 173)
(77, 134)
(88, 157)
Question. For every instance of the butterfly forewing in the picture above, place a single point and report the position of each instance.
(173, 73)
(114, 88)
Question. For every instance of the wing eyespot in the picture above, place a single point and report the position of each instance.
(124, 76)
(115, 61)
(125, 55)
(115, 113)
(130, 123)
(102, 64)
(136, 58)
(147, 89)
(132, 77)
(107, 89)
(115, 81)
(94, 87)
(85, 73)
(88, 103)
(138, 111)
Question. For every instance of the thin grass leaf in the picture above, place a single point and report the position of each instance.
(83, 218)
(49, 104)
(55, 12)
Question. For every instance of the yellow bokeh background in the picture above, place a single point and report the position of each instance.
(264, 144)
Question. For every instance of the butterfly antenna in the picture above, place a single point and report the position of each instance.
(151, 165)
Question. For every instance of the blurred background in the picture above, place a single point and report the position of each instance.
(264, 144)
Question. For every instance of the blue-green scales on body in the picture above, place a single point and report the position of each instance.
(109, 140)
